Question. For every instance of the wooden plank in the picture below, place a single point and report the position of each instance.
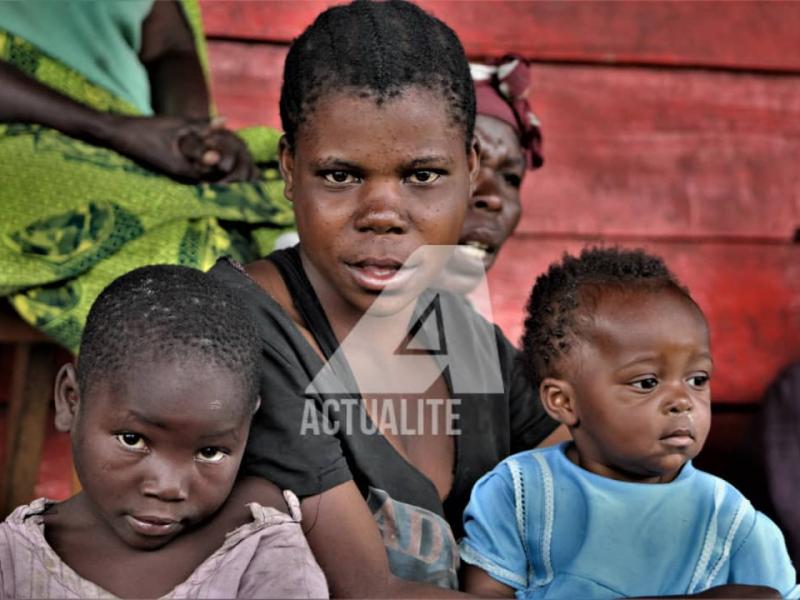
(671, 154)
(13, 329)
(749, 34)
(246, 82)
(749, 292)
(665, 153)
(31, 395)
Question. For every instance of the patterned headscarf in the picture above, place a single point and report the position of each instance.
(501, 91)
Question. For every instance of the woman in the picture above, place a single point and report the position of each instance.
(108, 159)
(510, 144)
(382, 402)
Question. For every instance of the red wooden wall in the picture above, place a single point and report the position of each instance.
(669, 125)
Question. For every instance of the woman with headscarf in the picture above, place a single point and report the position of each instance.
(510, 145)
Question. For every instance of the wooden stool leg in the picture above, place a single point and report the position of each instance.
(31, 395)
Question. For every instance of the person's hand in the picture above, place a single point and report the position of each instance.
(220, 154)
(186, 150)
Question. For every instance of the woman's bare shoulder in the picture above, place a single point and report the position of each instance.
(268, 277)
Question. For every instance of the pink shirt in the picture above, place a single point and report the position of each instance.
(267, 558)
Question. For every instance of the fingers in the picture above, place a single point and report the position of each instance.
(216, 153)
(191, 144)
(228, 157)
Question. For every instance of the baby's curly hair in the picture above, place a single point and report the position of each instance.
(554, 318)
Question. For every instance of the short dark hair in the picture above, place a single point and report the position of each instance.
(377, 48)
(574, 283)
(165, 312)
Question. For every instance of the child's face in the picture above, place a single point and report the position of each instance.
(641, 386)
(370, 185)
(157, 450)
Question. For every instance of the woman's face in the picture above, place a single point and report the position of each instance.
(370, 185)
(494, 209)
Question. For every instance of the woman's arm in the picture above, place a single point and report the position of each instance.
(178, 86)
(179, 143)
(152, 141)
(25, 100)
(346, 542)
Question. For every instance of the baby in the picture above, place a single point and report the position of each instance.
(620, 354)
(159, 409)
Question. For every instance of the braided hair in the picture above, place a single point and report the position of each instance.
(562, 299)
(377, 50)
(167, 312)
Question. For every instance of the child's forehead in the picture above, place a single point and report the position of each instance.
(155, 380)
(618, 318)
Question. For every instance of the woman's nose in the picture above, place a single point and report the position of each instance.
(486, 195)
(382, 209)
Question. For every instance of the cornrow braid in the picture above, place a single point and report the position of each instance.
(552, 312)
(165, 312)
(376, 49)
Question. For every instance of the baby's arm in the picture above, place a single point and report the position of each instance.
(493, 552)
(762, 559)
(479, 583)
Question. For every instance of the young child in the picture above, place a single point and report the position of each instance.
(621, 355)
(159, 409)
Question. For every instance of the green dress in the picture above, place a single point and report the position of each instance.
(73, 217)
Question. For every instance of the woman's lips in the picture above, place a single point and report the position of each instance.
(478, 246)
(153, 526)
(378, 275)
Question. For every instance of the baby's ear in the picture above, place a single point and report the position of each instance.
(558, 399)
(67, 398)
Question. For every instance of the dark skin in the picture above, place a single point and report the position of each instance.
(369, 181)
(130, 573)
(165, 447)
(494, 208)
(179, 141)
(635, 394)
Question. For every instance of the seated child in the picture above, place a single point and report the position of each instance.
(159, 409)
(620, 353)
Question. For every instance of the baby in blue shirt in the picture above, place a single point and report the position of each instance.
(620, 354)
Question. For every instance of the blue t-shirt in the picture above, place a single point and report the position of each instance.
(550, 529)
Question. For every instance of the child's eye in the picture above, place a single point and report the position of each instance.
(132, 441)
(340, 177)
(699, 381)
(423, 176)
(648, 383)
(211, 454)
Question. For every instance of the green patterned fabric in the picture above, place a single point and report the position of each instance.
(73, 217)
